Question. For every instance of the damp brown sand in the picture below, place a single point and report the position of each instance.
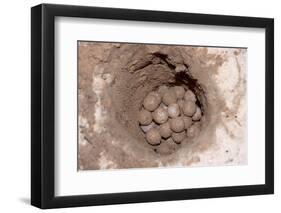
(113, 81)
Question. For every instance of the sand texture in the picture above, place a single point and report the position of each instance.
(114, 79)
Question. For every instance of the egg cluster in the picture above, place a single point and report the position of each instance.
(169, 115)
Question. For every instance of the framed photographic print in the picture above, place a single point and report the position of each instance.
(139, 106)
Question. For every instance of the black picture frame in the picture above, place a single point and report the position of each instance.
(43, 102)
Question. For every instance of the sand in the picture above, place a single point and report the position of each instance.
(114, 78)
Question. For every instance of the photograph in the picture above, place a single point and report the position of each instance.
(138, 105)
(160, 105)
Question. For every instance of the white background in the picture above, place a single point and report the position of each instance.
(70, 182)
(15, 106)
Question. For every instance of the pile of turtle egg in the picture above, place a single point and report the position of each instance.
(169, 116)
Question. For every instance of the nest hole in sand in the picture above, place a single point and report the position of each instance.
(144, 77)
